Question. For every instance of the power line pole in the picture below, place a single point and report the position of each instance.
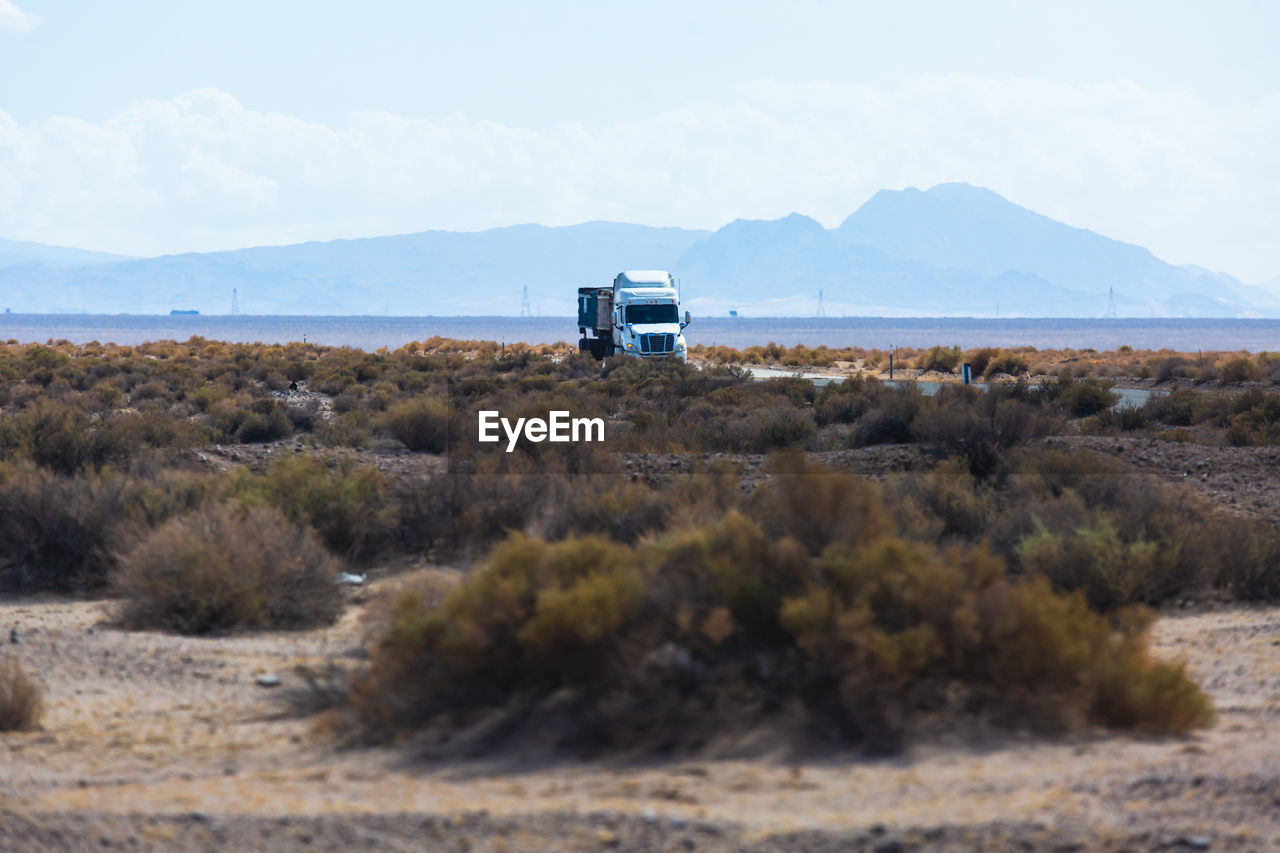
(524, 303)
(1111, 303)
(235, 303)
(822, 308)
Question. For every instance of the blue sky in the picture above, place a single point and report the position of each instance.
(149, 127)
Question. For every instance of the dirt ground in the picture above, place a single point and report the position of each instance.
(154, 741)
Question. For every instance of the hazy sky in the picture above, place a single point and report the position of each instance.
(145, 127)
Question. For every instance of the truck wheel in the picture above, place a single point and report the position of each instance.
(597, 348)
(584, 345)
(609, 349)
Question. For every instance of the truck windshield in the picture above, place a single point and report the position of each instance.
(639, 314)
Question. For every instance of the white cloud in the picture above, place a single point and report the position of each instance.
(13, 18)
(1193, 181)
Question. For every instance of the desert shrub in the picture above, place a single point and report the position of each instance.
(221, 568)
(463, 511)
(622, 511)
(817, 507)
(1253, 419)
(346, 402)
(419, 424)
(845, 402)
(962, 506)
(21, 699)
(1086, 397)
(1125, 418)
(1110, 571)
(669, 643)
(1088, 524)
(119, 437)
(1247, 559)
(1006, 362)
(763, 429)
(54, 435)
(249, 421)
(348, 505)
(890, 421)
(427, 587)
(266, 420)
(1241, 370)
(58, 533)
(1173, 367)
(1180, 407)
(303, 418)
(980, 358)
(346, 430)
(980, 426)
(941, 359)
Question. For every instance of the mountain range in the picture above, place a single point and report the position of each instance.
(953, 250)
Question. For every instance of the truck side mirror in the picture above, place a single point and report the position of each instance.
(687, 319)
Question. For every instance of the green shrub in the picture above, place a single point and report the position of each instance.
(220, 568)
(1110, 571)
(941, 359)
(348, 505)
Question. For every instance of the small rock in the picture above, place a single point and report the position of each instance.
(268, 680)
(13, 635)
(889, 845)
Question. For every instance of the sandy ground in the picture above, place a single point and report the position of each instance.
(153, 741)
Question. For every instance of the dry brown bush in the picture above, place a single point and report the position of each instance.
(721, 624)
(21, 699)
(220, 568)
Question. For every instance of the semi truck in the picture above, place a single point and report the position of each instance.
(639, 315)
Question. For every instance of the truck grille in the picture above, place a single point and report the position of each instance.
(657, 344)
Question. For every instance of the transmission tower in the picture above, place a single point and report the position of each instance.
(1111, 303)
(822, 308)
(235, 303)
(524, 303)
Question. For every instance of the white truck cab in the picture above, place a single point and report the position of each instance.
(638, 316)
